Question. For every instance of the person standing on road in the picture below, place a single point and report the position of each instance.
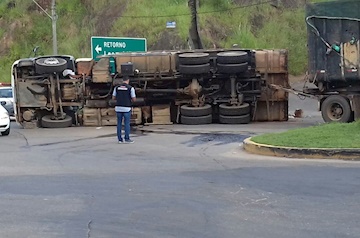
(124, 94)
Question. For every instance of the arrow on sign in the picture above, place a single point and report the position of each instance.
(98, 49)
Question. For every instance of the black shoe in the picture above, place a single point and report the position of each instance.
(129, 141)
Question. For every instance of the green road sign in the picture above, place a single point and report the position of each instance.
(113, 45)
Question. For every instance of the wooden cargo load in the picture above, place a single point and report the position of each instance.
(107, 116)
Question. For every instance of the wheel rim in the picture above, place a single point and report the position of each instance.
(51, 61)
(336, 111)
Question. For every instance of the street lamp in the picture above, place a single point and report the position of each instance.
(53, 18)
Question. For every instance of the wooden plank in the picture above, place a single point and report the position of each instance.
(136, 116)
(161, 110)
(160, 115)
(91, 117)
(102, 76)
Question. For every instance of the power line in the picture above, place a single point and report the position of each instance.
(199, 13)
(235, 8)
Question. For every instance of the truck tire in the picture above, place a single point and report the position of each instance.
(194, 69)
(194, 58)
(232, 68)
(232, 57)
(234, 110)
(196, 120)
(48, 122)
(50, 65)
(190, 111)
(336, 108)
(6, 133)
(244, 119)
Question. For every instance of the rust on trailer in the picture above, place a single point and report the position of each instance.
(273, 93)
(272, 61)
(84, 66)
(273, 103)
(151, 63)
(272, 111)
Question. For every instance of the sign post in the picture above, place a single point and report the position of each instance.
(113, 45)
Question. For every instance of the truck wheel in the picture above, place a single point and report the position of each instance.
(50, 65)
(6, 133)
(194, 58)
(244, 119)
(196, 120)
(48, 121)
(232, 57)
(190, 111)
(336, 108)
(232, 68)
(194, 69)
(233, 110)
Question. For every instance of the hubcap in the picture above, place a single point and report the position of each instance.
(51, 61)
(336, 111)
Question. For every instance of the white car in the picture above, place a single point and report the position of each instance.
(4, 121)
(7, 99)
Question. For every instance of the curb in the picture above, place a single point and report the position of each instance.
(304, 153)
(189, 131)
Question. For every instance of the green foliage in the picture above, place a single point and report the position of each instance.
(287, 30)
(8, 11)
(148, 19)
(222, 24)
(332, 135)
(219, 4)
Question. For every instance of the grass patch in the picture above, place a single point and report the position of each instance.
(331, 135)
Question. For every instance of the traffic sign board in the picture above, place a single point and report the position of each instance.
(112, 45)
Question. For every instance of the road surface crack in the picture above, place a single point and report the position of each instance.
(89, 228)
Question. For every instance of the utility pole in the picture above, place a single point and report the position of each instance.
(194, 28)
(53, 18)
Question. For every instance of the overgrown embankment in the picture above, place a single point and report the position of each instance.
(250, 24)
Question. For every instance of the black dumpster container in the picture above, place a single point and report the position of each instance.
(333, 43)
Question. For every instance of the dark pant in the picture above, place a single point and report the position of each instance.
(127, 117)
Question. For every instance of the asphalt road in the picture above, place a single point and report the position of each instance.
(309, 106)
(78, 182)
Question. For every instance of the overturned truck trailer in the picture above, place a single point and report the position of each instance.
(188, 87)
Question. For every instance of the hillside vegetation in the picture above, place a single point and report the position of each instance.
(248, 23)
